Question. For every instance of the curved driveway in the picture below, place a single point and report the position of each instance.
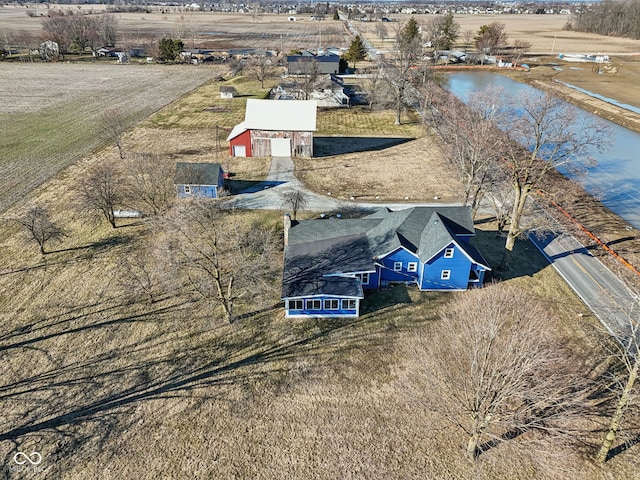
(281, 180)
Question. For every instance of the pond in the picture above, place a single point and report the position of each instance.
(615, 179)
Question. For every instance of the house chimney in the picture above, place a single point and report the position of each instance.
(287, 226)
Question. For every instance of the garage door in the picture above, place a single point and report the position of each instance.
(239, 150)
(280, 147)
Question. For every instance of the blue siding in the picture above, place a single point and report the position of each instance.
(324, 310)
(198, 191)
(459, 267)
(374, 280)
(403, 256)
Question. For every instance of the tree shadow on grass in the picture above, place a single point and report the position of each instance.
(377, 300)
(99, 387)
(623, 447)
(526, 260)
(328, 146)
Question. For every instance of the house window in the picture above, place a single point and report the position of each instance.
(314, 305)
(448, 253)
(187, 189)
(445, 275)
(349, 304)
(364, 278)
(331, 304)
(412, 267)
(296, 304)
(397, 266)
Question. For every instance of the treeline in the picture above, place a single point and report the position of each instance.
(616, 18)
(78, 32)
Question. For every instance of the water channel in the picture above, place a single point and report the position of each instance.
(615, 179)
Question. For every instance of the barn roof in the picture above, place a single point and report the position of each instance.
(289, 115)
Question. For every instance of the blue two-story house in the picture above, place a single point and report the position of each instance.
(329, 263)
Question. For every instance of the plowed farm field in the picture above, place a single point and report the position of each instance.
(50, 113)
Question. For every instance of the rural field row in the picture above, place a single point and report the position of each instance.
(58, 126)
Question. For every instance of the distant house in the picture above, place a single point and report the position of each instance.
(275, 128)
(329, 264)
(198, 180)
(227, 91)
(329, 91)
(304, 63)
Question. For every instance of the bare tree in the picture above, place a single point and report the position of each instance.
(520, 47)
(399, 70)
(56, 29)
(381, 31)
(261, 68)
(373, 86)
(500, 374)
(548, 135)
(40, 227)
(467, 36)
(224, 258)
(625, 349)
(114, 125)
(142, 275)
(101, 192)
(307, 77)
(474, 144)
(295, 200)
(149, 183)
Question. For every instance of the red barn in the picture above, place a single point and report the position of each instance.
(275, 128)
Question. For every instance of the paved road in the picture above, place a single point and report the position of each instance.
(599, 288)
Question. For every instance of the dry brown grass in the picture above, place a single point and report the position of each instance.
(105, 388)
(416, 169)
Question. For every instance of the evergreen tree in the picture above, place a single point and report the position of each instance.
(411, 31)
(357, 52)
(169, 49)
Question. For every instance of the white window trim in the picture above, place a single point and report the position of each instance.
(337, 307)
(346, 302)
(364, 278)
(397, 266)
(445, 275)
(309, 303)
(291, 302)
(412, 267)
(448, 252)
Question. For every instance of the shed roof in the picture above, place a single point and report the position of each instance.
(197, 173)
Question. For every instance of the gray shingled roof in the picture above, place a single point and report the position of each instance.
(197, 173)
(333, 246)
(306, 265)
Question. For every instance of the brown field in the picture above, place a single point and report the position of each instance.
(50, 113)
(202, 29)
